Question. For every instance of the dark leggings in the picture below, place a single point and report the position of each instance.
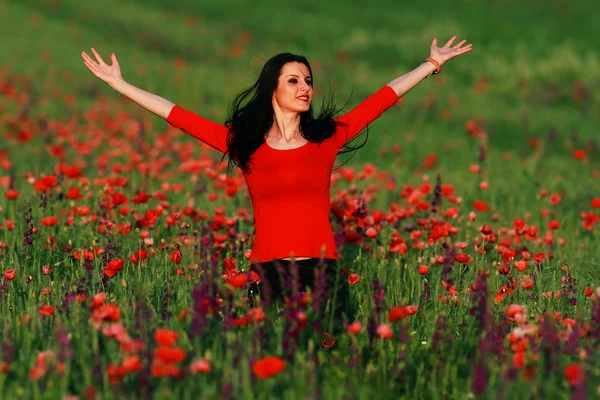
(279, 286)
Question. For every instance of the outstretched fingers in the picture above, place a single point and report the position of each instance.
(98, 57)
(464, 50)
(449, 42)
(87, 58)
(459, 44)
(92, 67)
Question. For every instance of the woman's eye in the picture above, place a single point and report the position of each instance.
(309, 82)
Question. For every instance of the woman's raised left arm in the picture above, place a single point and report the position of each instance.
(371, 108)
(406, 82)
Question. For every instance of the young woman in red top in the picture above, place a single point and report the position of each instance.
(286, 155)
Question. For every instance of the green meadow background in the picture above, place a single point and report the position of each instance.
(533, 75)
(529, 58)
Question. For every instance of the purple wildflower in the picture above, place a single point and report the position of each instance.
(203, 303)
(69, 297)
(441, 335)
(7, 351)
(354, 356)
(569, 288)
(449, 256)
(166, 314)
(437, 194)
(64, 344)
(292, 329)
(28, 240)
(549, 342)
(226, 390)
(479, 378)
(482, 155)
(379, 303)
(595, 324)
(480, 310)
(3, 287)
(572, 342)
(320, 286)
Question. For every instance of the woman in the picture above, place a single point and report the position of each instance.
(286, 156)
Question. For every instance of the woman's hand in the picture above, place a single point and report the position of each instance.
(111, 74)
(443, 54)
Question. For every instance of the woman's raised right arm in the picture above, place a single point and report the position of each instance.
(111, 75)
(151, 102)
(191, 123)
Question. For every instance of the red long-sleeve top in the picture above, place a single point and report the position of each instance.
(290, 189)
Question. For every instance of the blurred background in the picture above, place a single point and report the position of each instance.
(532, 73)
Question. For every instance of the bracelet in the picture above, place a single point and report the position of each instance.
(437, 66)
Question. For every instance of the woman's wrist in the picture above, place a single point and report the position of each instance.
(436, 64)
(117, 85)
(430, 67)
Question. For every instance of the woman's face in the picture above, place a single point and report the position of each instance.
(294, 88)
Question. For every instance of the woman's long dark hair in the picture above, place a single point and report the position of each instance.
(248, 124)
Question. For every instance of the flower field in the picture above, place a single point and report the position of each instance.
(468, 227)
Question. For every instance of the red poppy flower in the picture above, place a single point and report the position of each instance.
(328, 340)
(353, 237)
(141, 197)
(176, 256)
(268, 366)
(131, 364)
(371, 232)
(574, 373)
(502, 292)
(398, 313)
(165, 337)
(200, 366)
(519, 359)
(430, 161)
(49, 221)
(238, 280)
(73, 194)
(46, 310)
(114, 266)
(353, 279)
(555, 199)
(463, 258)
(580, 155)
(165, 369)
(554, 224)
(385, 331)
(139, 255)
(480, 206)
(539, 257)
(255, 314)
(527, 284)
(11, 194)
(171, 355)
(10, 274)
(254, 277)
(521, 265)
(118, 199)
(354, 328)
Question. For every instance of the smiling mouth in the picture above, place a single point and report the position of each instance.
(303, 99)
